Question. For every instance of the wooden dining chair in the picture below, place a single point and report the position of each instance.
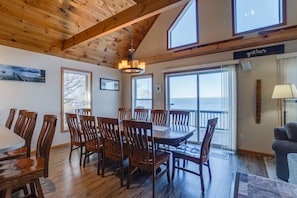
(26, 132)
(113, 147)
(77, 140)
(10, 118)
(92, 141)
(141, 114)
(16, 173)
(124, 113)
(19, 122)
(196, 155)
(179, 117)
(159, 117)
(142, 155)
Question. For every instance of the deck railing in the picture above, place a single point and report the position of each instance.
(204, 115)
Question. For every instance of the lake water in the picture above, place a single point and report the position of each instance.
(215, 104)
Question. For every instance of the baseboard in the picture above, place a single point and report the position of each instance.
(254, 153)
(53, 147)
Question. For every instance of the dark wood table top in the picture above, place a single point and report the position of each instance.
(172, 135)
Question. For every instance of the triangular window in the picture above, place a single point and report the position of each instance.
(184, 30)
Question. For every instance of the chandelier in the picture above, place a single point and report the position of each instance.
(131, 66)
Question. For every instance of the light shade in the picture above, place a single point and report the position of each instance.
(284, 91)
(133, 66)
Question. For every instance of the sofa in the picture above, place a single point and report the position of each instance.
(285, 141)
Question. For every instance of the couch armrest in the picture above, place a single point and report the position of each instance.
(284, 147)
(280, 133)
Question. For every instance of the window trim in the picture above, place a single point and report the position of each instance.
(133, 91)
(173, 23)
(284, 16)
(63, 69)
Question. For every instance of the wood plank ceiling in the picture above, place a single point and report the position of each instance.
(92, 30)
(85, 30)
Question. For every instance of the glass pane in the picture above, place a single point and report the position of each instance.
(183, 92)
(255, 14)
(187, 21)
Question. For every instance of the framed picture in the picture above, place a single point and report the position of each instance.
(10, 72)
(109, 84)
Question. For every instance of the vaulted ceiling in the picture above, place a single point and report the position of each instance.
(85, 30)
(93, 30)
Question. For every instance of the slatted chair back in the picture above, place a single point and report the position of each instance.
(83, 111)
(190, 153)
(19, 122)
(205, 147)
(124, 113)
(159, 117)
(10, 118)
(27, 129)
(92, 141)
(111, 137)
(137, 135)
(76, 134)
(113, 149)
(45, 139)
(142, 154)
(141, 114)
(179, 117)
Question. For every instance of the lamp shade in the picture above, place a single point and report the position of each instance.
(284, 91)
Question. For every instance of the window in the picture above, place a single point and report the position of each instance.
(76, 92)
(184, 30)
(142, 92)
(252, 15)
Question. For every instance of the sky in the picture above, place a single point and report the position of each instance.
(186, 86)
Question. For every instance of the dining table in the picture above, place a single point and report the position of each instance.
(9, 140)
(172, 135)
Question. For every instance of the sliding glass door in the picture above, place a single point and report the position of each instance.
(206, 94)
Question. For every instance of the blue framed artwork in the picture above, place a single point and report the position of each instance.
(9, 72)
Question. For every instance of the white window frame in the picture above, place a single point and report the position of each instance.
(281, 16)
(176, 23)
(87, 98)
(134, 90)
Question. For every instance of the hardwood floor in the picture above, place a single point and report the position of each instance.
(68, 179)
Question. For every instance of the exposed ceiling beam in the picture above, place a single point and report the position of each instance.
(264, 38)
(134, 14)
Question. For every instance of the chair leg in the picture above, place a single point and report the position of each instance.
(201, 177)
(70, 154)
(208, 165)
(38, 188)
(81, 155)
(168, 172)
(103, 164)
(154, 175)
(86, 155)
(32, 188)
(122, 172)
(173, 167)
(98, 168)
(8, 192)
(129, 175)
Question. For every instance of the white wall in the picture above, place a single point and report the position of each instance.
(45, 98)
(215, 24)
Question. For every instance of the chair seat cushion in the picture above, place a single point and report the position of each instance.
(191, 153)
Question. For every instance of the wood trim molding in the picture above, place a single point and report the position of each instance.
(254, 153)
(263, 38)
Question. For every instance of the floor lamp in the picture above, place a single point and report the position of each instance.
(284, 91)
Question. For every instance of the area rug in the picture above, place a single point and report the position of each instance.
(270, 168)
(252, 186)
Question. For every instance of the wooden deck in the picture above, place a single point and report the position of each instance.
(68, 179)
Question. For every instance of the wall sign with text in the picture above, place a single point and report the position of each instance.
(264, 51)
